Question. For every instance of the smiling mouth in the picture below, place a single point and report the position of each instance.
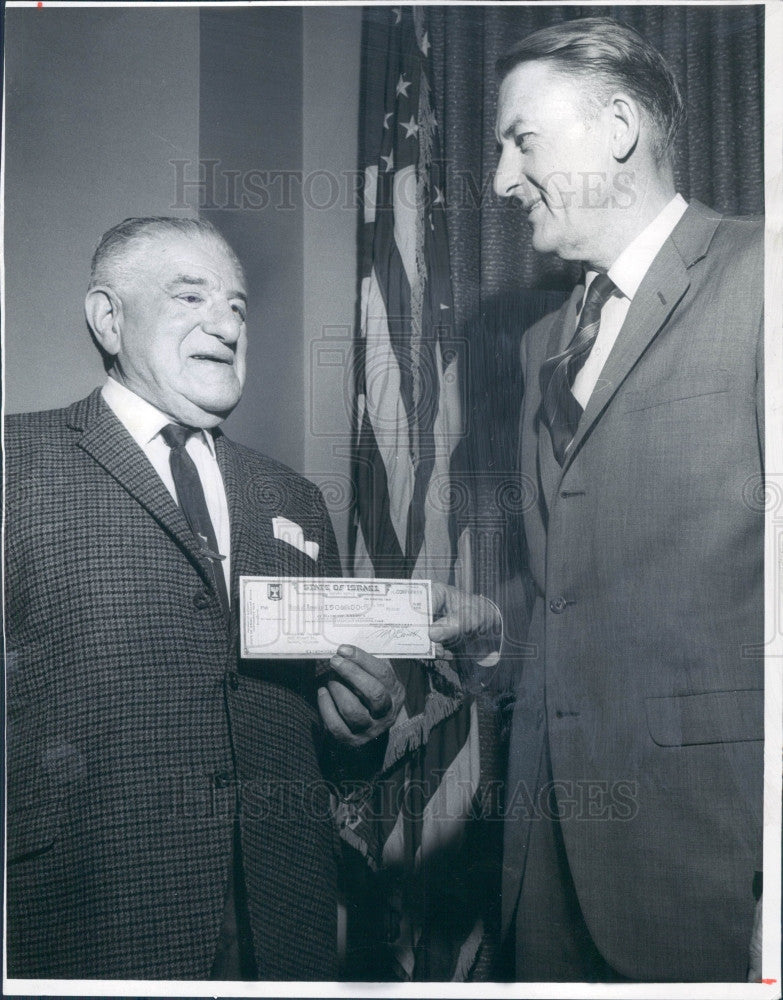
(217, 359)
(531, 206)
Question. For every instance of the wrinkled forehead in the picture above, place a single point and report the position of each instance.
(163, 255)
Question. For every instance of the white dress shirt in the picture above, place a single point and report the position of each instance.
(627, 273)
(144, 423)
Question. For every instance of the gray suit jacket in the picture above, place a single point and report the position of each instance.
(136, 734)
(647, 553)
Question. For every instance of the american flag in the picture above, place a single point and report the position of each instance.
(408, 424)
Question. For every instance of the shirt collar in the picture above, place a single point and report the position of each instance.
(141, 419)
(634, 262)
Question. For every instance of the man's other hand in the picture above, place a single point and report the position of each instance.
(469, 619)
(361, 698)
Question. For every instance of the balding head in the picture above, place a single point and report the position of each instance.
(121, 248)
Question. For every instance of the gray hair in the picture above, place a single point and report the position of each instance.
(111, 262)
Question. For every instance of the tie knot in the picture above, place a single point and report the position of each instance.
(601, 289)
(176, 435)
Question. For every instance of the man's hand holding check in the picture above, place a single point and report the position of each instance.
(468, 623)
(361, 698)
(364, 698)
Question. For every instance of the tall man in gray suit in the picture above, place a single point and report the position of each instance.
(638, 721)
(168, 816)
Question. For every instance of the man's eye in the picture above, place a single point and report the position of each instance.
(190, 298)
(239, 311)
(520, 141)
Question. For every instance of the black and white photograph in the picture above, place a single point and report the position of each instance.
(392, 499)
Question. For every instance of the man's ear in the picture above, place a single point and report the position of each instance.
(625, 125)
(103, 310)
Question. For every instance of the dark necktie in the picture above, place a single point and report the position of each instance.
(560, 410)
(193, 504)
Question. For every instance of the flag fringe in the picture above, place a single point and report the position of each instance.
(413, 734)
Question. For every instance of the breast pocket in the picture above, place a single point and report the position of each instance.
(683, 387)
(293, 562)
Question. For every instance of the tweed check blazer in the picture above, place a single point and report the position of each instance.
(646, 670)
(135, 732)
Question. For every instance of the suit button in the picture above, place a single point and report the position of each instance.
(201, 600)
(221, 779)
(232, 679)
(558, 605)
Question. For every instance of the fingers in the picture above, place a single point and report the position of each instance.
(439, 598)
(470, 620)
(465, 615)
(352, 710)
(333, 721)
(446, 629)
(371, 680)
(346, 717)
(362, 698)
(372, 664)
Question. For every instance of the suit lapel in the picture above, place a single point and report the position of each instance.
(104, 438)
(658, 296)
(252, 541)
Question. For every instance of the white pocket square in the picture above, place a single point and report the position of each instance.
(290, 533)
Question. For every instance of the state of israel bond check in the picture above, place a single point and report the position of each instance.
(300, 617)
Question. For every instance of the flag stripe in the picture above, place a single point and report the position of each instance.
(391, 277)
(436, 554)
(374, 514)
(386, 413)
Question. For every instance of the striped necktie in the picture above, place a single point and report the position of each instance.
(190, 494)
(560, 411)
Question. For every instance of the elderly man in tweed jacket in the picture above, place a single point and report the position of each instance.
(168, 816)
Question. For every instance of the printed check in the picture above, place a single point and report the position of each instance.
(299, 617)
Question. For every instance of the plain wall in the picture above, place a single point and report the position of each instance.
(108, 111)
(97, 103)
(251, 122)
(332, 54)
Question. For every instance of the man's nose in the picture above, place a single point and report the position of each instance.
(506, 176)
(220, 320)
